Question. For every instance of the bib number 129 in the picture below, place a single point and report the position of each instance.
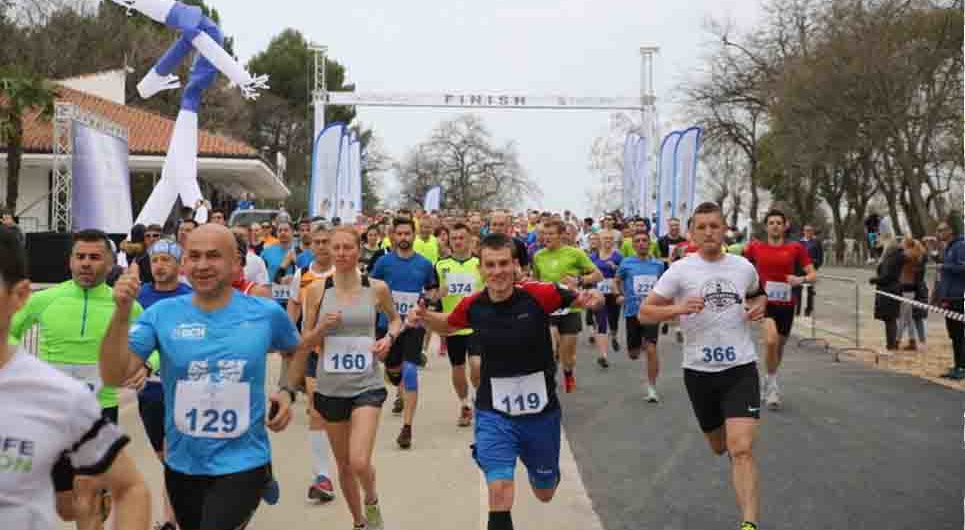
(212, 421)
(719, 354)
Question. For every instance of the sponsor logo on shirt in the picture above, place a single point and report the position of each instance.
(16, 455)
(720, 294)
(190, 331)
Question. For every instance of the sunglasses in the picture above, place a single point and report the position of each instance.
(152, 236)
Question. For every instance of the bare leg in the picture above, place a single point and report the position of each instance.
(365, 425)
(741, 433)
(653, 364)
(339, 434)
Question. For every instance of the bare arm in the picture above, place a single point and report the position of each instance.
(659, 309)
(132, 500)
(383, 300)
(117, 362)
(313, 300)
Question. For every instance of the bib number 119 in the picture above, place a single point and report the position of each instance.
(719, 354)
(519, 403)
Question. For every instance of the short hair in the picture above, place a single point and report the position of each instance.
(13, 259)
(373, 227)
(305, 221)
(92, 235)
(192, 221)
(705, 208)
(588, 220)
(461, 226)
(348, 230)
(774, 212)
(319, 227)
(498, 242)
(639, 232)
(555, 223)
(399, 221)
(440, 230)
(672, 219)
(154, 228)
(242, 249)
(283, 223)
(218, 210)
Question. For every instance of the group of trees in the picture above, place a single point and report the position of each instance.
(836, 109)
(51, 39)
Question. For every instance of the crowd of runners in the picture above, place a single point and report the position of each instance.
(351, 309)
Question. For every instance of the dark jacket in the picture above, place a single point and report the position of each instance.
(951, 283)
(888, 279)
(815, 250)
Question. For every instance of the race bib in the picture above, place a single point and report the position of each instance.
(560, 312)
(212, 410)
(519, 396)
(404, 302)
(280, 291)
(460, 284)
(606, 286)
(643, 284)
(778, 291)
(348, 355)
(717, 355)
(89, 374)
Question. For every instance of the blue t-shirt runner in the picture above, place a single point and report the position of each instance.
(637, 278)
(407, 278)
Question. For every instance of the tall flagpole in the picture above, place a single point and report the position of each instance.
(648, 119)
(320, 88)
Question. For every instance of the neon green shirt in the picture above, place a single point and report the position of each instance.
(626, 249)
(73, 322)
(428, 249)
(457, 280)
(553, 265)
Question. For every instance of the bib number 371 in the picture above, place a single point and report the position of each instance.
(719, 354)
(518, 396)
(212, 410)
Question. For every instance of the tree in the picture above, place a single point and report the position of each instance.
(606, 163)
(474, 173)
(20, 94)
(723, 180)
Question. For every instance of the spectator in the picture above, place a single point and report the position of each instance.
(671, 239)
(254, 270)
(815, 249)
(912, 319)
(888, 280)
(871, 225)
(951, 289)
(185, 228)
(8, 222)
(218, 217)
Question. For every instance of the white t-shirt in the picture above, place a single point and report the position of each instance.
(718, 337)
(255, 269)
(43, 414)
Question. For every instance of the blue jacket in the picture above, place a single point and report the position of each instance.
(951, 285)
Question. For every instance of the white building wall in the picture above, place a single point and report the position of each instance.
(34, 185)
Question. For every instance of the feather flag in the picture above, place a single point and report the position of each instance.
(325, 158)
(666, 182)
(685, 170)
(433, 199)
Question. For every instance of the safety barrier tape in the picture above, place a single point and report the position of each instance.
(951, 315)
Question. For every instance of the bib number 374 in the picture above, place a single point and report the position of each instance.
(719, 354)
(212, 410)
(518, 396)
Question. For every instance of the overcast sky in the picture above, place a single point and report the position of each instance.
(572, 47)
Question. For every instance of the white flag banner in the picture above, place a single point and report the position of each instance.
(357, 178)
(325, 169)
(339, 200)
(685, 163)
(433, 199)
(666, 205)
(642, 173)
(629, 168)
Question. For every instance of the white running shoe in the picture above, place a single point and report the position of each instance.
(773, 399)
(652, 396)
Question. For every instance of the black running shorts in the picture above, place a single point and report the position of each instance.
(716, 396)
(783, 316)
(152, 416)
(459, 346)
(568, 324)
(407, 347)
(638, 333)
(337, 409)
(224, 502)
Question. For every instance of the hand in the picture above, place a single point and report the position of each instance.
(755, 312)
(127, 288)
(416, 315)
(692, 305)
(289, 258)
(332, 320)
(381, 348)
(137, 380)
(795, 281)
(571, 282)
(590, 299)
(284, 415)
(621, 299)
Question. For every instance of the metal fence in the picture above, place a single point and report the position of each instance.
(843, 322)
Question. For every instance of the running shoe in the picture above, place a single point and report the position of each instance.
(321, 490)
(773, 399)
(165, 526)
(958, 374)
(272, 492)
(652, 396)
(397, 405)
(614, 343)
(603, 362)
(465, 416)
(634, 355)
(748, 526)
(405, 437)
(569, 383)
(374, 517)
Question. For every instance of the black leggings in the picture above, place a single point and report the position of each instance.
(608, 315)
(224, 502)
(955, 330)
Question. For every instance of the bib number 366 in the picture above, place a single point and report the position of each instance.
(719, 354)
(518, 396)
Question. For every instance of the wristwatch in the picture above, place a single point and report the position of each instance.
(291, 393)
(391, 336)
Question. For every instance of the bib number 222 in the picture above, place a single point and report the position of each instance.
(719, 354)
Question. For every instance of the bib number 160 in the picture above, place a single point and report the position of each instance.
(719, 354)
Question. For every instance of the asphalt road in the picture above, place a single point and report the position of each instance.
(853, 448)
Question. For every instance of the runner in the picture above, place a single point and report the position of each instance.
(716, 296)
(350, 391)
(633, 282)
(165, 259)
(776, 261)
(310, 282)
(571, 266)
(458, 278)
(72, 318)
(517, 410)
(671, 239)
(408, 275)
(213, 347)
(607, 260)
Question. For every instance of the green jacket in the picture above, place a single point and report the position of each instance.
(73, 322)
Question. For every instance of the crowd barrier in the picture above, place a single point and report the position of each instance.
(820, 327)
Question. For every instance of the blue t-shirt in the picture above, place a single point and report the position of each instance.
(153, 390)
(638, 277)
(304, 259)
(605, 268)
(406, 278)
(273, 257)
(213, 372)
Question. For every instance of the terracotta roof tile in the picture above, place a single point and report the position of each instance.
(148, 133)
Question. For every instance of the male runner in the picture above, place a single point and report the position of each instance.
(672, 238)
(776, 261)
(213, 348)
(572, 267)
(458, 278)
(313, 277)
(716, 296)
(165, 259)
(517, 410)
(48, 416)
(409, 276)
(501, 223)
(634, 280)
(72, 319)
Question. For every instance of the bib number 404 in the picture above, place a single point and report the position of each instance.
(719, 354)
